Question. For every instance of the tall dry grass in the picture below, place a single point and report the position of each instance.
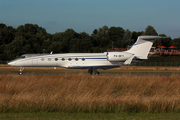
(84, 93)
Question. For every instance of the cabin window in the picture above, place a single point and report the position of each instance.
(42, 59)
(56, 59)
(69, 59)
(83, 59)
(49, 59)
(21, 57)
(76, 59)
(63, 59)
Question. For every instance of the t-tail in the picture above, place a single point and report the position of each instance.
(142, 46)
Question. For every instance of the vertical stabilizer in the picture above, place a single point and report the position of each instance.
(142, 46)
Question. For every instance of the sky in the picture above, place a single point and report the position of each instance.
(87, 15)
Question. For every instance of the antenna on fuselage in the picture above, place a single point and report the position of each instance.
(51, 52)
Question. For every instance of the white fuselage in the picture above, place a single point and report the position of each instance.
(73, 60)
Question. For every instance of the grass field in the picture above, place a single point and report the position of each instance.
(89, 94)
(83, 96)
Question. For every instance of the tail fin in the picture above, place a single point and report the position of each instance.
(142, 46)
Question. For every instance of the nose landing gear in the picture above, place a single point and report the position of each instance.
(21, 70)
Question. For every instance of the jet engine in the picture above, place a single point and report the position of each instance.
(118, 56)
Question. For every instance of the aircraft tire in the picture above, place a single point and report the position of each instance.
(98, 73)
(90, 71)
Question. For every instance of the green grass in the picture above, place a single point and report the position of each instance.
(89, 116)
(89, 94)
(90, 97)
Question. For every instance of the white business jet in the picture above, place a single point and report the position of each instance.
(91, 61)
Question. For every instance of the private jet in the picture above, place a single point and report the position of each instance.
(91, 61)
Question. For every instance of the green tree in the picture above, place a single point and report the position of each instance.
(135, 35)
(100, 39)
(163, 35)
(82, 44)
(95, 32)
(86, 43)
(116, 34)
(150, 31)
(167, 42)
(33, 35)
(126, 40)
(75, 45)
(18, 47)
(3, 56)
(105, 29)
(7, 34)
(64, 39)
(176, 42)
(30, 38)
(55, 46)
(163, 42)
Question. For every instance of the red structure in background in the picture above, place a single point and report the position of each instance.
(172, 47)
(161, 46)
(172, 50)
(166, 47)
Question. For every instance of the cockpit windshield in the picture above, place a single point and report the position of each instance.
(21, 57)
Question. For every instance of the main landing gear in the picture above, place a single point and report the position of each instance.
(21, 70)
(93, 71)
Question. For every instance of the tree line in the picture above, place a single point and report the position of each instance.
(31, 38)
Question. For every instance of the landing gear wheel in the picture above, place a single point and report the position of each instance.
(93, 71)
(90, 71)
(21, 70)
(98, 73)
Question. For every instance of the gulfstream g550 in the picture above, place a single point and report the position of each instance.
(90, 61)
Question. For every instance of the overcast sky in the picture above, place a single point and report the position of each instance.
(87, 15)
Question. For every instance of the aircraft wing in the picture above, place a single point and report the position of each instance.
(94, 66)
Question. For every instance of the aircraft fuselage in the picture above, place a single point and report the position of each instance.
(72, 60)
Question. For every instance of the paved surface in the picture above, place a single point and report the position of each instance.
(118, 74)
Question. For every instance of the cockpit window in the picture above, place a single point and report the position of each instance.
(21, 57)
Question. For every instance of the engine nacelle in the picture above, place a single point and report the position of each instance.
(118, 56)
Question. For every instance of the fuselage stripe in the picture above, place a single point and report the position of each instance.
(95, 58)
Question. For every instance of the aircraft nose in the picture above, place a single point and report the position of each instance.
(11, 63)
